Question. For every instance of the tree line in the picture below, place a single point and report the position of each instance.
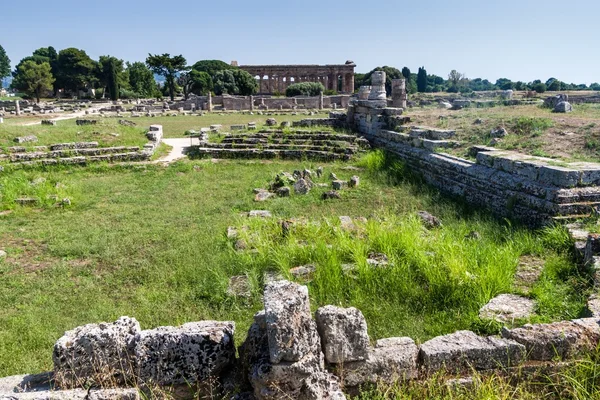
(456, 82)
(69, 71)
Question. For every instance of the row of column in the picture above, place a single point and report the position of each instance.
(276, 83)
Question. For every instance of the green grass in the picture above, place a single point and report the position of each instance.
(68, 131)
(149, 242)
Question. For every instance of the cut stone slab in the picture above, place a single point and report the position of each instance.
(301, 186)
(507, 308)
(75, 394)
(593, 306)
(563, 339)
(263, 195)
(291, 331)
(338, 184)
(303, 271)
(239, 286)
(343, 332)
(528, 272)
(429, 221)
(191, 353)
(464, 350)
(260, 214)
(377, 260)
(90, 353)
(391, 360)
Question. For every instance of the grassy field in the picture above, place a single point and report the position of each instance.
(531, 129)
(108, 132)
(149, 241)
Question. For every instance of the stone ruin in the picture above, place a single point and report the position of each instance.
(286, 353)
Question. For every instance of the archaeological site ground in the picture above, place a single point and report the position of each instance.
(370, 245)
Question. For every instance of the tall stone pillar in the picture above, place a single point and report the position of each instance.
(17, 107)
(320, 100)
(251, 103)
(378, 86)
(270, 84)
(326, 82)
(260, 85)
(209, 102)
(350, 82)
(399, 93)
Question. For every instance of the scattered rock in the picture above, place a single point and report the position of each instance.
(301, 186)
(338, 184)
(2, 254)
(478, 121)
(283, 191)
(346, 223)
(528, 272)
(232, 232)
(563, 107)
(333, 176)
(271, 122)
(260, 214)
(354, 181)
(507, 308)
(332, 194)
(377, 260)
(65, 202)
(429, 220)
(498, 132)
(343, 334)
(239, 286)
(473, 235)
(26, 139)
(124, 122)
(303, 271)
(240, 245)
(26, 201)
(263, 195)
(319, 172)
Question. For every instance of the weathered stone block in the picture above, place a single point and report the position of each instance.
(463, 350)
(391, 360)
(187, 354)
(563, 339)
(559, 176)
(343, 334)
(291, 331)
(507, 308)
(95, 352)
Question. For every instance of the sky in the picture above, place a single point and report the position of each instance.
(519, 40)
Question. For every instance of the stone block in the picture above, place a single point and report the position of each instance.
(545, 342)
(291, 331)
(94, 352)
(464, 350)
(338, 184)
(391, 360)
(343, 334)
(507, 308)
(187, 354)
(559, 176)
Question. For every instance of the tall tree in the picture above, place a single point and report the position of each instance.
(212, 66)
(406, 73)
(111, 75)
(75, 70)
(33, 78)
(4, 65)
(186, 82)
(203, 82)
(456, 80)
(141, 79)
(167, 66)
(422, 80)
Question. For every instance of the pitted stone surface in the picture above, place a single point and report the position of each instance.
(90, 352)
(343, 332)
(187, 354)
(507, 308)
(291, 331)
(391, 360)
(464, 350)
(560, 339)
(75, 394)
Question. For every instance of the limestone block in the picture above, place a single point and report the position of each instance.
(507, 308)
(338, 184)
(559, 176)
(75, 394)
(391, 360)
(343, 334)
(187, 354)
(463, 350)
(562, 339)
(301, 186)
(291, 331)
(90, 352)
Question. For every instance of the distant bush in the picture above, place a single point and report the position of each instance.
(330, 92)
(99, 93)
(528, 126)
(540, 87)
(128, 94)
(304, 89)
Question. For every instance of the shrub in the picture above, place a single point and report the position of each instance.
(540, 87)
(330, 92)
(527, 126)
(304, 89)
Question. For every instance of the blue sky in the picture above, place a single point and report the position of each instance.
(520, 40)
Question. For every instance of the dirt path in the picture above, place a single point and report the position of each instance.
(177, 152)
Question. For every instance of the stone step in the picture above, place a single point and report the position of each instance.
(267, 154)
(228, 146)
(20, 157)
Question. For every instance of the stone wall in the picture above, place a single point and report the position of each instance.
(287, 351)
(532, 189)
(260, 102)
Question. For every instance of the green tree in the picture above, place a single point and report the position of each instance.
(505, 84)
(112, 76)
(457, 81)
(595, 86)
(422, 80)
(359, 80)
(234, 82)
(4, 65)
(141, 80)
(203, 82)
(75, 70)
(186, 82)
(211, 67)
(304, 89)
(167, 66)
(540, 87)
(33, 78)
(406, 73)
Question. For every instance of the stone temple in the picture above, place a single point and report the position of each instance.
(276, 78)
